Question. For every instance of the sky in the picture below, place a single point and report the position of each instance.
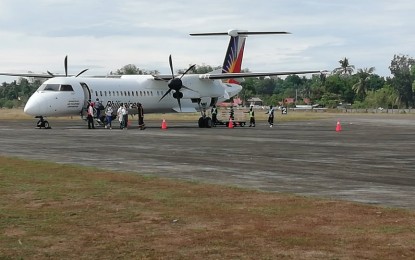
(105, 35)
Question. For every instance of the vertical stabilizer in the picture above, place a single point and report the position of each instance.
(234, 55)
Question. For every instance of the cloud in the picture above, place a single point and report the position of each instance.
(106, 35)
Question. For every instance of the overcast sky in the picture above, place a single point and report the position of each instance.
(106, 35)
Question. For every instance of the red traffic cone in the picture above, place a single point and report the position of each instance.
(164, 125)
(338, 126)
(230, 124)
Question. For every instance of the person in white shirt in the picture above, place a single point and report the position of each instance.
(125, 116)
(90, 117)
(120, 115)
(108, 115)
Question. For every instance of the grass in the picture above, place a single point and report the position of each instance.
(58, 211)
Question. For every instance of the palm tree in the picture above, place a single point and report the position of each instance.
(361, 87)
(345, 68)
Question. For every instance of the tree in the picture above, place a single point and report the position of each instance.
(401, 69)
(131, 69)
(362, 86)
(345, 68)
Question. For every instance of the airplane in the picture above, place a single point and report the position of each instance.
(69, 95)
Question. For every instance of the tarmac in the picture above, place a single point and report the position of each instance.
(370, 161)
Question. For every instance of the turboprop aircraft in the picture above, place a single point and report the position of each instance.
(68, 95)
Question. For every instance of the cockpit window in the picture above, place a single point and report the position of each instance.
(49, 87)
(55, 87)
(66, 88)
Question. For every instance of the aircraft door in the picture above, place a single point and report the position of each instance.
(87, 94)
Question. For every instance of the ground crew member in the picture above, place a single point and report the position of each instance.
(214, 112)
(232, 114)
(140, 112)
(251, 117)
(270, 116)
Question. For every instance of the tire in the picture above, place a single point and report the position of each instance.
(201, 122)
(208, 122)
(46, 124)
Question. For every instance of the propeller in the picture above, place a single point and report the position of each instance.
(65, 64)
(176, 83)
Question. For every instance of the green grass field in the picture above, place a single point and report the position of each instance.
(54, 211)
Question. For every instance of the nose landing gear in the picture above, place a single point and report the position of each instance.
(43, 123)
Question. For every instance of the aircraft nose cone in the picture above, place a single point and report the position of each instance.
(31, 107)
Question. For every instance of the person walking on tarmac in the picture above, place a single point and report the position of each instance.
(270, 116)
(251, 117)
(232, 114)
(125, 116)
(214, 112)
(108, 115)
(90, 117)
(120, 115)
(140, 113)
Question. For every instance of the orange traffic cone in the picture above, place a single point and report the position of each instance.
(230, 124)
(164, 125)
(338, 126)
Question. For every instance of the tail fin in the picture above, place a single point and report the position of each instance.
(236, 47)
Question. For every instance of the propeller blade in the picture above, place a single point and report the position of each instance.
(168, 91)
(190, 68)
(171, 66)
(65, 63)
(178, 101)
(81, 73)
(50, 73)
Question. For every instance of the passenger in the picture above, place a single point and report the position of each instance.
(270, 116)
(120, 115)
(140, 112)
(90, 117)
(98, 107)
(251, 117)
(125, 116)
(108, 115)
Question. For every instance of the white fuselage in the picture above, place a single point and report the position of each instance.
(66, 96)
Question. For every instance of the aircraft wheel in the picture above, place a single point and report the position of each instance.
(208, 122)
(47, 126)
(201, 122)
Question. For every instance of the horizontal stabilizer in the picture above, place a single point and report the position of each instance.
(257, 74)
(235, 33)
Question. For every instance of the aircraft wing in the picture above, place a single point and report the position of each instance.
(30, 75)
(255, 74)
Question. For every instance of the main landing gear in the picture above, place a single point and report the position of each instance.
(43, 123)
(204, 121)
